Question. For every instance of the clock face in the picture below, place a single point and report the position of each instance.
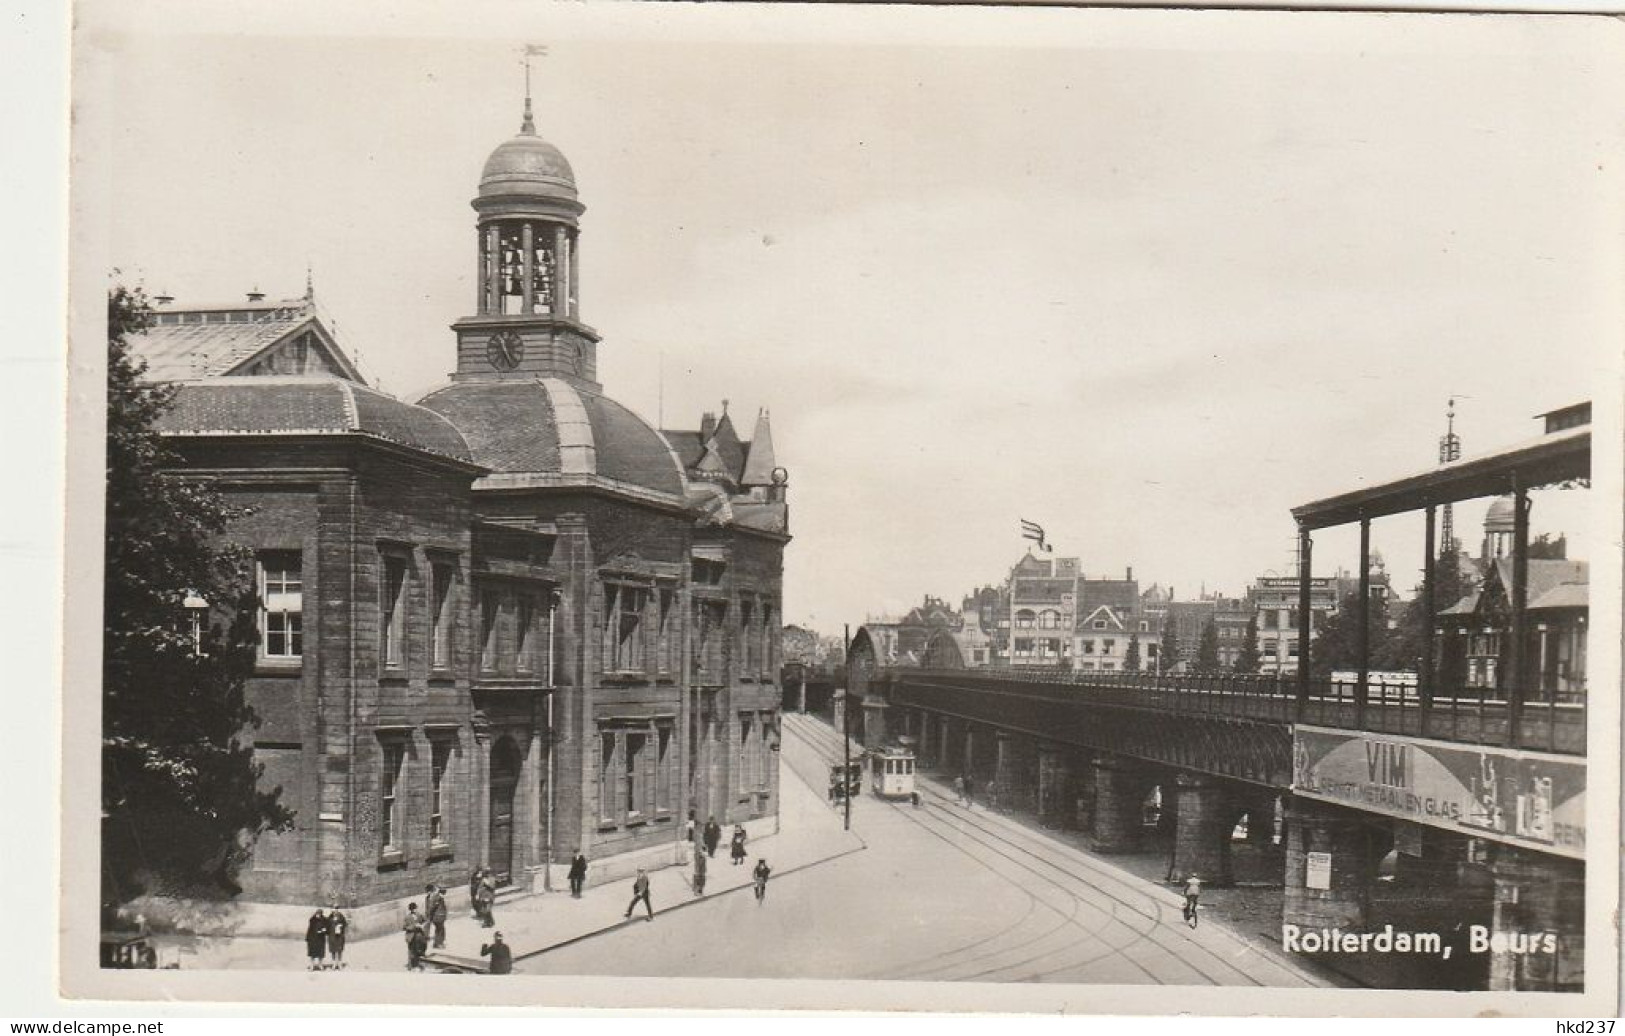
(505, 350)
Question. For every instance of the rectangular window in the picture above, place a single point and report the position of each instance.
(490, 611)
(392, 611)
(282, 606)
(663, 767)
(606, 777)
(440, 760)
(765, 658)
(1107, 647)
(747, 638)
(744, 780)
(526, 640)
(623, 627)
(764, 750)
(635, 791)
(389, 795)
(666, 650)
(440, 614)
(1151, 650)
(1088, 647)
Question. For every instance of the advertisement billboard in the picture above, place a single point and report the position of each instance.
(1531, 799)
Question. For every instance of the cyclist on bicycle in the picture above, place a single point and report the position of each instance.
(1193, 891)
(760, 874)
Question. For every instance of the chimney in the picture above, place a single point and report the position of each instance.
(256, 295)
(708, 425)
(1129, 575)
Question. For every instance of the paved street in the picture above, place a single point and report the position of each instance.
(940, 893)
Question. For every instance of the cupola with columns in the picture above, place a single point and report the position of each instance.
(527, 317)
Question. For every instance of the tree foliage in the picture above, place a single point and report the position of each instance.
(1169, 652)
(179, 802)
(1207, 649)
(1247, 659)
(1337, 645)
(1131, 662)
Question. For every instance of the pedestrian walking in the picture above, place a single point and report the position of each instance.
(434, 905)
(417, 939)
(501, 955)
(474, 891)
(970, 793)
(738, 845)
(338, 927)
(690, 829)
(959, 789)
(578, 874)
(640, 890)
(699, 874)
(761, 874)
(488, 900)
(316, 940)
(713, 837)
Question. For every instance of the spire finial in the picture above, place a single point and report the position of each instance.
(310, 287)
(532, 50)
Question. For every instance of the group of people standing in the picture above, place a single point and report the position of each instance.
(706, 849)
(325, 934)
(324, 939)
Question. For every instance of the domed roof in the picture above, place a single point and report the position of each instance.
(307, 406)
(1501, 516)
(527, 165)
(538, 432)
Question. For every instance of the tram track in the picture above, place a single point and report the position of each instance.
(1034, 855)
(934, 966)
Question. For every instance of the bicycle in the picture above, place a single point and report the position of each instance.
(1190, 912)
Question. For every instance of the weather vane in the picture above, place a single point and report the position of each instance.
(532, 50)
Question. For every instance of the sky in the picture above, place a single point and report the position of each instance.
(1148, 278)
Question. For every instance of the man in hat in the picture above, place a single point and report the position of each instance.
(578, 874)
(413, 927)
(501, 955)
(640, 891)
(435, 906)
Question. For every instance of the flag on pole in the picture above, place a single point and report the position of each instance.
(1035, 532)
(535, 50)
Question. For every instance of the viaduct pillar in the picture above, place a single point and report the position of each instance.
(1338, 845)
(1015, 772)
(1202, 830)
(1537, 934)
(1120, 786)
(1055, 802)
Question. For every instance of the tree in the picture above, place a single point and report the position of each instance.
(1131, 663)
(180, 805)
(1170, 642)
(1338, 644)
(1404, 646)
(1543, 547)
(1207, 649)
(1247, 657)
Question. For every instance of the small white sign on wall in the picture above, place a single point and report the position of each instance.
(1320, 871)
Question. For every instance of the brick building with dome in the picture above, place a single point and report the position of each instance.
(508, 621)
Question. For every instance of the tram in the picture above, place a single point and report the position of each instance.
(891, 772)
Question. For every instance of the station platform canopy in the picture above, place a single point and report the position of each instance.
(1556, 457)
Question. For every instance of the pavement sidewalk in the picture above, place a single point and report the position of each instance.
(809, 834)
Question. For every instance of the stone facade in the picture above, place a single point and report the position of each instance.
(505, 623)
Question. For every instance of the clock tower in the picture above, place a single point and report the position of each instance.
(527, 318)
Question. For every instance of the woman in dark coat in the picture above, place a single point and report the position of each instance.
(316, 939)
(337, 924)
(738, 846)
